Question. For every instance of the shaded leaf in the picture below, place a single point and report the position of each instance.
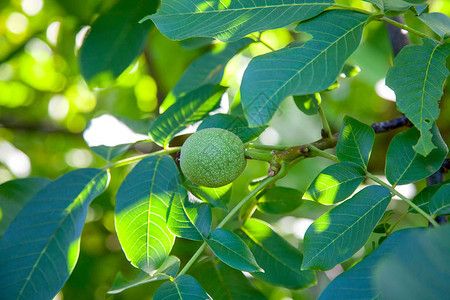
(335, 183)
(438, 22)
(232, 20)
(279, 200)
(39, 250)
(15, 194)
(142, 203)
(236, 124)
(417, 78)
(422, 273)
(308, 69)
(308, 104)
(440, 201)
(356, 283)
(339, 233)
(187, 110)
(404, 165)
(355, 142)
(115, 39)
(422, 199)
(168, 269)
(280, 260)
(189, 219)
(225, 283)
(216, 197)
(182, 288)
(230, 249)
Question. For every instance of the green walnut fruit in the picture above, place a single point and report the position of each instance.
(212, 157)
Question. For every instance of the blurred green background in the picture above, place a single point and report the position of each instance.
(45, 104)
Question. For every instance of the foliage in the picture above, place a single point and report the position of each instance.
(104, 110)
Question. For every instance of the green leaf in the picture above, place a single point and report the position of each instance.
(187, 110)
(378, 3)
(417, 78)
(339, 233)
(168, 269)
(188, 218)
(417, 268)
(225, 283)
(279, 200)
(231, 20)
(308, 69)
(39, 250)
(110, 136)
(440, 201)
(438, 22)
(216, 197)
(357, 283)
(15, 194)
(142, 203)
(236, 124)
(115, 39)
(335, 183)
(230, 249)
(422, 199)
(308, 104)
(404, 165)
(182, 288)
(280, 260)
(355, 142)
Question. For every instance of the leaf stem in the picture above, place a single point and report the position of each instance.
(130, 160)
(325, 124)
(317, 152)
(257, 154)
(264, 147)
(405, 27)
(228, 217)
(395, 192)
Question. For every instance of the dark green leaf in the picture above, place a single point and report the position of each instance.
(232, 20)
(196, 42)
(335, 183)
(116, 39)
(417, 268)
(404, 165)
(417, 78)
(341, 232)
(438, 22)
(355, 142)
(39, 250)
(422, 199)
(279, 200)
(168, 269)
(440, 201)
(357, 282)
(187, 110)
(182, 288)
(225, 283)
(216, 197)
(142, 203)
(15, 194)
(280, 260)
(272, 77)
(308, 104)
(230, 249)
(236, 124)
(188, 218)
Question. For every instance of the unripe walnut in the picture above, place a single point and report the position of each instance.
(212, 157)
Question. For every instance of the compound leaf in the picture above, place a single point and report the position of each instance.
(308, 69)
(339, 233)
(39, 250)
(280, 260)
(179, 20)
(187, 110)
(142, 203)
(417, 78)
(335, 183)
